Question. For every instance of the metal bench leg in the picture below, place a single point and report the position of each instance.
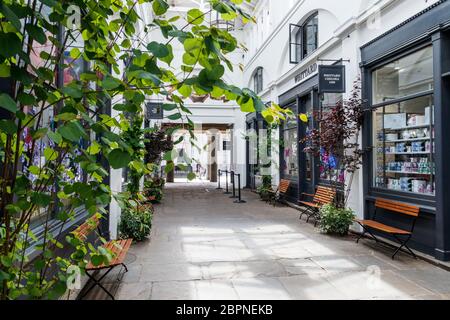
(317, 220)
(97, 283)
(123, 265)
(403, 244)
(304, 211)
(366, 231)
(312, 212)
(361, 235)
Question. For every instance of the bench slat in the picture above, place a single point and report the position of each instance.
(397, 207)
(382, 227)
(284, 186)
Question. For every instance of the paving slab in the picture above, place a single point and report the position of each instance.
(203, 246)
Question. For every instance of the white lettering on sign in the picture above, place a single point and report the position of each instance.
(332, 78)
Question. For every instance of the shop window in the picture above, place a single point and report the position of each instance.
(290, 150)
(403, 130)
(330, 168)
(258, 80)
(407, 76)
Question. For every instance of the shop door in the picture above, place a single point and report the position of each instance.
(252, 154)
(306, 160)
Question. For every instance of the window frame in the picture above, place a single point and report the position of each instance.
(298, 39)
(258, 80)
(372, 188)
(304, 35)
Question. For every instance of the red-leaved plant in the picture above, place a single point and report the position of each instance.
(337, 133)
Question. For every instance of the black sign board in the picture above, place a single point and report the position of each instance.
(331, 79)
(155, 111)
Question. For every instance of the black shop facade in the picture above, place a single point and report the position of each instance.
(406, 83)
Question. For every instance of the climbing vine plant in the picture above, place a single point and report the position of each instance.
(63, 65)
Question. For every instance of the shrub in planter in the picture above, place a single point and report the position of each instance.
(153, 189)
(336, 220)
(264, 192)
(136, 222)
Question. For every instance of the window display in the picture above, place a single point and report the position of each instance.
(290, 150)
(330, 167)
(403, 130)
(404, 141)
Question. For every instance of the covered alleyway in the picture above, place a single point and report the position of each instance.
(203, 246)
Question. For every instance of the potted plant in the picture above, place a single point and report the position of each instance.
(153, 189)
(265, 192)
(136, 220)
(335, 220)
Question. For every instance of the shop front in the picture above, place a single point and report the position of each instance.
(406, 82)
(296, 165)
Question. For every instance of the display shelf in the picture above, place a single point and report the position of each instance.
(409, 127)
(408, 172)
(407, 153)
(406, 192)
(408, 140)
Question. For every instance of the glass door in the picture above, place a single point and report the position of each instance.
(306, 160)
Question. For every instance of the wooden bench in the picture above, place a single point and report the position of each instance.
(400, 235)
(118, 248)
(281, 191)
(323, 196)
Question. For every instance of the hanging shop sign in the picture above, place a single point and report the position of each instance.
(309, 71)
(155, 111)
(332, 79)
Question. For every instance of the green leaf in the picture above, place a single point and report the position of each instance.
(11, 16)
(169, 107)
(72, 131)
(40, 133)
(158, 50)
(36, 33)
(50, 154)
(26, 99)
(110, 83)
(5, 71)
(169, 167)
(34, 170)
(195, 16)
(73, 90)
(94, 149)
(160, 7)
(192, 44)
(40, 199)
(191, 176)
(14, 44)
(8, 126)
(216, 72)
(6, 102)
(55, 137)
(185, 90)
(176, 116)
(119, 159)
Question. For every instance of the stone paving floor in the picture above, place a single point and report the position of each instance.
(203, 246)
